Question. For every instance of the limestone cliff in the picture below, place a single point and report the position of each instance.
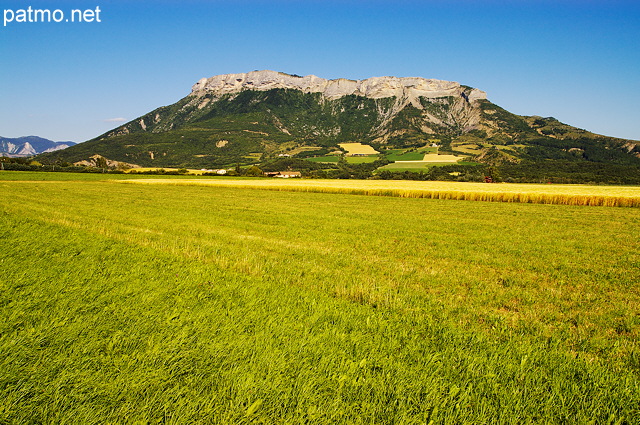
(409, 89)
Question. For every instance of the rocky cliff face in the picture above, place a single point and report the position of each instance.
(409, 89)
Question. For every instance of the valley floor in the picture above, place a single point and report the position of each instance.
(131, 303)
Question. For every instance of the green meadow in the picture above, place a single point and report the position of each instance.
(402, 155)
(174, 304)
(328, 158)
(415, 167)
(362, 159)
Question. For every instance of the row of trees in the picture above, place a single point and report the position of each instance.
(29, 164)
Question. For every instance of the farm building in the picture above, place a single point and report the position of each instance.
(288, 174)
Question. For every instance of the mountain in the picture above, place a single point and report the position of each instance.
(29, 146)
(252, 117)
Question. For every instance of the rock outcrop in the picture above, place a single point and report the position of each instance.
(100, 161)
(410, 88)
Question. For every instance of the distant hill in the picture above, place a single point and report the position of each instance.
(263, 115)
(29, 146)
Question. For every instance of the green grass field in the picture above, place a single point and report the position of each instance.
(401, 155)
(410, 155)
(129, 303)
(415, 167)
(362, 159)
(328, 158)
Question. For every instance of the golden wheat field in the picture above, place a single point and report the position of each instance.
(619, 196)
(434, 157)
(358, 149)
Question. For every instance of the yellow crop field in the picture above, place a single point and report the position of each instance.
(434, 157)
(623, 196)
(358, 149)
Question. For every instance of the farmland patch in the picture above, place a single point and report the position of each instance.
(358, 149)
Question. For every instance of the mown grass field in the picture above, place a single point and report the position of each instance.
(402, 155)
(410, 154)
(126, 303)
(362, 159)
(414, 167)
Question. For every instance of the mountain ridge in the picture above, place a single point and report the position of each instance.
(29, 146)
(254, 117)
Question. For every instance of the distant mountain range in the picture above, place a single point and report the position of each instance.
(29, 146)
(255, 117)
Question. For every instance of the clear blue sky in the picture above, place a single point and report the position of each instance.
(578, 61)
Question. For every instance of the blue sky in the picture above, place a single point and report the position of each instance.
(578, 61)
